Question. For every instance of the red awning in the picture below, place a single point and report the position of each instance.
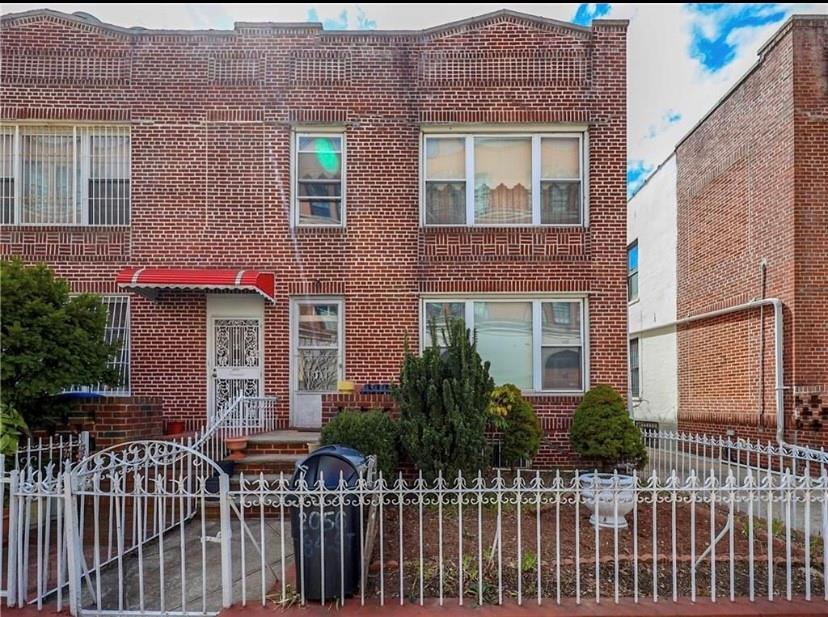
(175, 278)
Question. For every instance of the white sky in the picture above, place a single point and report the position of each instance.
(664, 79)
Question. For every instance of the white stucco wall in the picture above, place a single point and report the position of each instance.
(651, 219)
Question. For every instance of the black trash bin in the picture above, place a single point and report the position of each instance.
(331, 529)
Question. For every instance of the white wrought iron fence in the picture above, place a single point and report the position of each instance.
(34, 549)
(530, 538)
(59, 450)
(30, 493)
(155, 528)
(685, 452)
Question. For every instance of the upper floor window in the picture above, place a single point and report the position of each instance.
(501, 179)
(632, 272)
(65, 175)
(319, 192)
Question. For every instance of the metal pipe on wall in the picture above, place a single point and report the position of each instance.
(779, 384)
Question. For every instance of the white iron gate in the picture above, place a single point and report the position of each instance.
(149, 532)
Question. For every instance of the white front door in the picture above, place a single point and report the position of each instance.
(234, 354)
(317, 358)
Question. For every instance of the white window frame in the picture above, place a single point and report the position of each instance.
(537, 331)
(297, 134)
(536, 137)
(635, 396)
(295, 301)
(631, 273)
(80, 162)
(126, 388)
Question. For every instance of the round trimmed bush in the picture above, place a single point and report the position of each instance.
(603, 431)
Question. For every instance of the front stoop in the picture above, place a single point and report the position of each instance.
(276, 452)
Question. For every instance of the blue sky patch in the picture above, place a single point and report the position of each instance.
(671, 117)
(637, 173)
(342, 21)
(712, 43)
(588, 11)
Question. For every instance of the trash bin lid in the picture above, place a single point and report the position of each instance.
(330, 462)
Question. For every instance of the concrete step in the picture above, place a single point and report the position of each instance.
(291, 442)
(269, 463)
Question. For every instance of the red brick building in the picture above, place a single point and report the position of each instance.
(752, 218)
(360, 180)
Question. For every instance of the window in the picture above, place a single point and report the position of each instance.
(635, 369)
(318, 343)
(319, 190)
(445, 183)
(632, 271)
(65, 175)
(502, 180)
(117, 329)
(538, 345)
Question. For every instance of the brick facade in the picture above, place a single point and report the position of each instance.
(211, 115)
(752, 186)
(116, 419)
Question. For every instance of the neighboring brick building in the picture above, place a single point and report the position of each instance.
(752, 196)
(341, 168)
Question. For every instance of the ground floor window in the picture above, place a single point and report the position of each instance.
(635, 370)
(117, 329)
(536, 344)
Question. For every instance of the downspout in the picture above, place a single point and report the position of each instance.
(777, 344)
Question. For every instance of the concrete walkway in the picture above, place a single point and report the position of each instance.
(160, 578)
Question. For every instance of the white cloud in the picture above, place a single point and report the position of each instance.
(662, 76)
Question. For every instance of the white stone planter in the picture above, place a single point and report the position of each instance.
(601, 492)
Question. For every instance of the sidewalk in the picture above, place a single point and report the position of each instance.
(626, 608)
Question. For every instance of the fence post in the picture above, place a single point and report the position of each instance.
(73, 547)
(84, 443)
(12, 546)
(226, 533)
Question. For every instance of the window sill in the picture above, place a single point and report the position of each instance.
(632, 302)
(552, 393)
(327, 229)
(74, 227)
(501, 228)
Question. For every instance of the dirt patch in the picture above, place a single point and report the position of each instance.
(655, 555)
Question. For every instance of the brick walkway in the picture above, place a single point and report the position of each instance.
(725, 608)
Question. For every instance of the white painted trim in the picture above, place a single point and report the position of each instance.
(536, 136)
(503, 128)
(293, 342)
(537, 351)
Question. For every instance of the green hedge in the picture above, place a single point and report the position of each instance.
(370, 432)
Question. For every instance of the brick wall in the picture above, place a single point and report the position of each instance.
(114, 420)
(211, 116)
(751, 186)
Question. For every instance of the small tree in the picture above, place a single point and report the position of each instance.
(516, 417)
(50, 340)
(603, 431)
(443, 398)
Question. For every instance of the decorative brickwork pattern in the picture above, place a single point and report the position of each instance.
(211, 117)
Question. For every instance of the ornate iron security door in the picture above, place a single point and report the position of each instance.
(236, 361)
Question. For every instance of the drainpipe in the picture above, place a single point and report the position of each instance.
(777, 344)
